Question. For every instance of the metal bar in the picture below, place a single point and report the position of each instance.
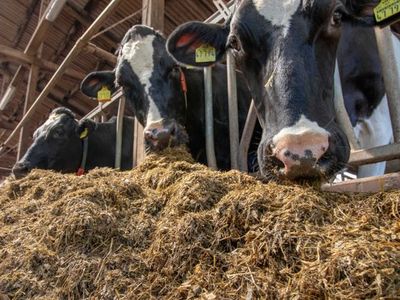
(390, 76)
(120, 125)
(233, 110)
(372, 184)
(341, 112)
(96, 111)
(246, 137)
(79, 45)
(210, 149)
(374, 155)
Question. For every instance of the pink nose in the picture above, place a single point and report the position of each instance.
(158, 137)
(300, 152)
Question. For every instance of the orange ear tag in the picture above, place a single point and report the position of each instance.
(104, 94)
(205, 53)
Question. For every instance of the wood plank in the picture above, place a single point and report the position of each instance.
(373, 184)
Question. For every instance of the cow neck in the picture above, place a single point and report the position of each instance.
(85, 141)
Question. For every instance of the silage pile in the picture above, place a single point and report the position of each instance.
(172, 229)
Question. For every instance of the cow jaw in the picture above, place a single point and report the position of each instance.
(139, 53)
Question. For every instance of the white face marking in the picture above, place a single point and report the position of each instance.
(139, 54)
(278, 12)
(302, 126)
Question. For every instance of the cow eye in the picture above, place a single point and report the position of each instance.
(58, 133)
(336, 20)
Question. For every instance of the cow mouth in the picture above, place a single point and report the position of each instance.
(272, 169)
(178, 136)
(20, 172)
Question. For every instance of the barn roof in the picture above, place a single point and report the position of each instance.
(18, 21)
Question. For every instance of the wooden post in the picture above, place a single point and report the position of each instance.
(29, 98)
(246, 137)
(153, 15)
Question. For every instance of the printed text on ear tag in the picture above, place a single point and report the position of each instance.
(104, 94)
(386, 9)
(205, 53)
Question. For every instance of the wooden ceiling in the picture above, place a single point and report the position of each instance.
(18, 21)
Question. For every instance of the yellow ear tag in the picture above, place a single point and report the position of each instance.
(386, 9)
(84, 133)
(104, 94)
(205, 53)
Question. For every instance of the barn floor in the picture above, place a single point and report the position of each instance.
(172, 229)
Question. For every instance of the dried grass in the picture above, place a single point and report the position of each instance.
(173, 229)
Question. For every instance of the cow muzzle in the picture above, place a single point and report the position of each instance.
(163, 134)
(20, 170)
(300, 154)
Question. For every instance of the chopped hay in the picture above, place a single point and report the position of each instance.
(173, 229)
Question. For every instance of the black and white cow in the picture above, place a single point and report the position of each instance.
(153, 84)
(58, 144)
(364, 90)
(286, 50)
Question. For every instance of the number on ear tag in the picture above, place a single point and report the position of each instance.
(205, 53)
(386, 9)
(104, 94)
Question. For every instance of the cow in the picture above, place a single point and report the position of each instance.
(169, 100)
(364, 91)
(58, 144)
(287, 51)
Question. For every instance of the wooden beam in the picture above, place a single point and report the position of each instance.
(153, 13)
(29, 98)
(373, 184)
(80, 44)
(37, 38)
(22, 58)
(97, 51)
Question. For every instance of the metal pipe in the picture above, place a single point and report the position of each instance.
(210, 149)
(391, 77)
(79, 45)
(246, 137)
(119, 129)
(341, 112)
(233, 110)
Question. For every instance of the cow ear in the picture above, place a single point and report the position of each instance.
(86, 127)
(198, 44)
(362, 10)
(93, 82)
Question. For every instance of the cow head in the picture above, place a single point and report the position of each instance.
(286, 50)
(150, 80)
(56, 145)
